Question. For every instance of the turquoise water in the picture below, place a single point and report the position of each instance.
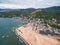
(7, 35)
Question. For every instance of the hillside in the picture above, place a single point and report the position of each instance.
(45, 13)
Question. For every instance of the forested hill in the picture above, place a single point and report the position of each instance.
(54, 8)
(45, 12)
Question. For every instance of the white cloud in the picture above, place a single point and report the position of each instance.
(29, 3)
(17, 6)
(13, 6)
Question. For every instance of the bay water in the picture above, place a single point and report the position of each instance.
(7, 34)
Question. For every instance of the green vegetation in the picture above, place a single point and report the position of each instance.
(14, 14)
(42, 14)
(34, 14)
(46, 14)
(54, 17)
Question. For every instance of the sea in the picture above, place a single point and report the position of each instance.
(7, 31)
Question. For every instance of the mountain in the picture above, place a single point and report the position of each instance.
(28, 10)
(54, 8)
(5, 10)
(22, 10)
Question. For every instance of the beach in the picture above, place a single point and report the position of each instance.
(32, 37)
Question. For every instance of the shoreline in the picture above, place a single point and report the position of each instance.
(34, 38)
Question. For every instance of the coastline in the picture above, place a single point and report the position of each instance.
(34, 38)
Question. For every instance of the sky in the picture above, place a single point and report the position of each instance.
(16, 4)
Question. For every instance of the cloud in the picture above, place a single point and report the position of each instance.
(29, 3)
(10, 6)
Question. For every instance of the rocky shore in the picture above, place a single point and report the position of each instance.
(42, 28)
(33, 34)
